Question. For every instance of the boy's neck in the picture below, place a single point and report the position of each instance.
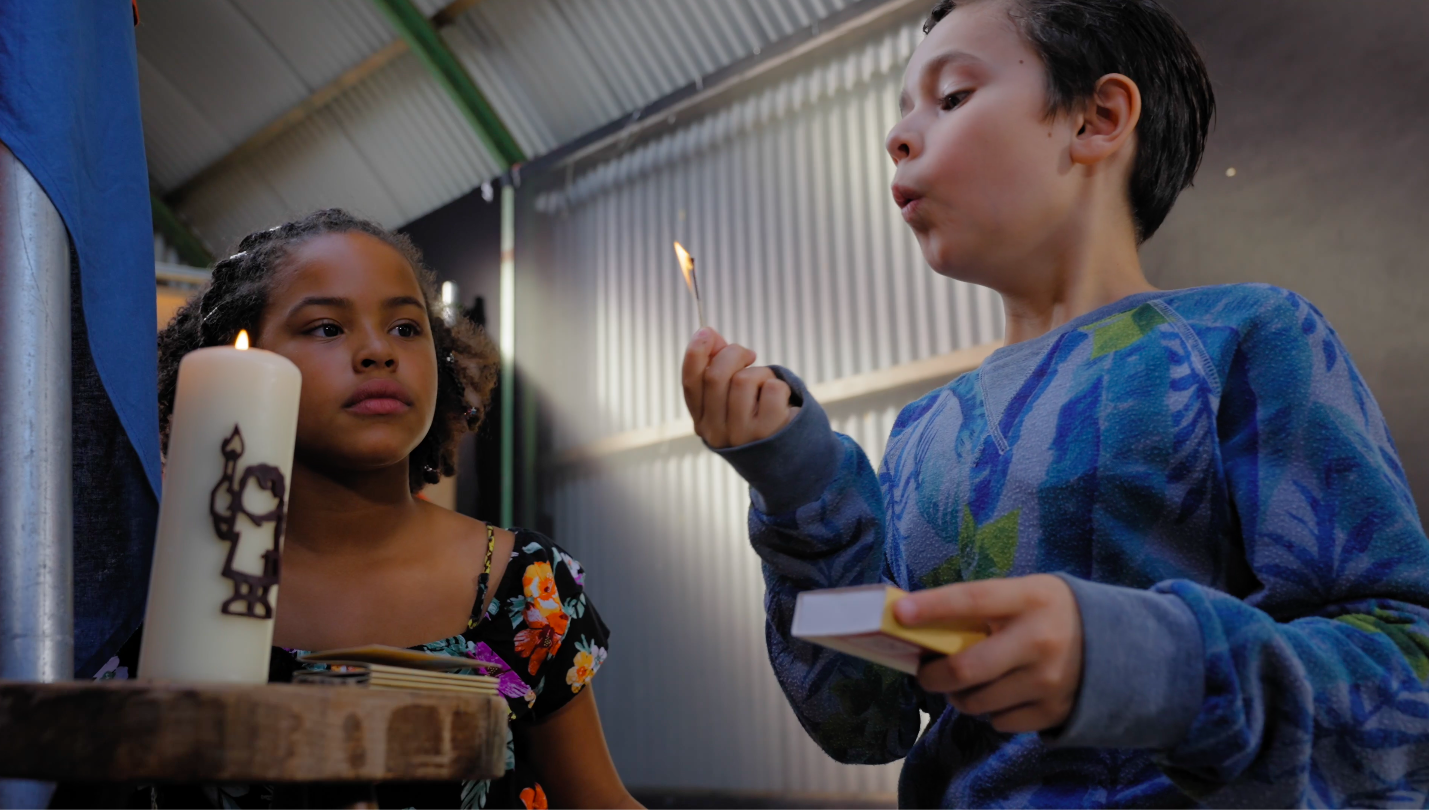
(1096, 265)
(349, 513)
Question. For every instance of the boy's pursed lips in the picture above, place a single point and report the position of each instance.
(378, 397)
(907, 200)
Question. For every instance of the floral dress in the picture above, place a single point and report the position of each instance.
(539, 627)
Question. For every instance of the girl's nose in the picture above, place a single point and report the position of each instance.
(376, 352)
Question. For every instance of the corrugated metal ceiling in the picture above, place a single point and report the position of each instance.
(393, 146)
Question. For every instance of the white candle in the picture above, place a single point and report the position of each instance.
(212, 590)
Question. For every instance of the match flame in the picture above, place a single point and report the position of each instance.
(242, 343)
(687, 265)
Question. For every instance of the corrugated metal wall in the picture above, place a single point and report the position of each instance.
(393, 147)
(783, 199)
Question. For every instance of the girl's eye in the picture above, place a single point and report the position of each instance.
(406, 330)
(327, 330)
(953, 100)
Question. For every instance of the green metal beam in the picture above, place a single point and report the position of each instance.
(424, 40)
(178, 234)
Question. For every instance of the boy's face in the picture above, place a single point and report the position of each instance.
(983, 177)
(348, 311)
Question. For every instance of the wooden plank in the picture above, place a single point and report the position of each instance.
(930, 372)
(139, 731)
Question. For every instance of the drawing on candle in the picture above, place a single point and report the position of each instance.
(226, 506)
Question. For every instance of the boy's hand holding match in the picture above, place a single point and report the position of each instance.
(1025, 676)
(731, 401)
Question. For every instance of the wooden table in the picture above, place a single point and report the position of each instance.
(126, 731)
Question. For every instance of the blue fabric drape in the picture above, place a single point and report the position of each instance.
(69, 110)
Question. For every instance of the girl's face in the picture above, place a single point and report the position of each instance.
(348, 311)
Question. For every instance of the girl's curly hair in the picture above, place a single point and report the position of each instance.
(237, 293)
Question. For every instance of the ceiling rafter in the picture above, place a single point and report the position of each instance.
(306, 108)
(422, 37)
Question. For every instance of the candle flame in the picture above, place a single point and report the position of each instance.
(242, 343)
(687, 265)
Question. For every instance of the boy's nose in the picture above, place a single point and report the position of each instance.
(901, 143)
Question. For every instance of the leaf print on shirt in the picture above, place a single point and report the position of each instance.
(1414, 646)
(516, 610)
(1121, 330)
(984, 552)
(575, 606)
(987, 551)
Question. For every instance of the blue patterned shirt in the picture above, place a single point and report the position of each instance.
(1210, 474)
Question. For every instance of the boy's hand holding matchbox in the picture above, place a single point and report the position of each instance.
(860, 621)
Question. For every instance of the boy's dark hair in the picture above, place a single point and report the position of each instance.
(237, 293)
(1080, 41)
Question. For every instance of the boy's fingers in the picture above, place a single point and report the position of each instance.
(713, 426)
(1028, 717)
(703, 346)
(772, 410)
(1020, 686)
(983, 600)
(743, 402)
(697, 357)
(980, 664)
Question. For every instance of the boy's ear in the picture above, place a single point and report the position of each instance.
(1108, 119)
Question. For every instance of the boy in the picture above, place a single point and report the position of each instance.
(1180, 513)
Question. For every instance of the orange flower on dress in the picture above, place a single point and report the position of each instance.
(540, 587)
(536, 642)
(534, 799)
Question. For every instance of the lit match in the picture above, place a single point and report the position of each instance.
(687, 265)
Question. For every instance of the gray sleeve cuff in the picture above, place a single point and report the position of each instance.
(794, 466)
(1143, 674)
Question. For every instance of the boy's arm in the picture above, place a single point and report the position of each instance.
(1314, 687)
(816, 519)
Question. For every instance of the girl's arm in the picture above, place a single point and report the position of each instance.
(571, 760)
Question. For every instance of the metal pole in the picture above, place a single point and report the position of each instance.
(36, 528)
(507, 387)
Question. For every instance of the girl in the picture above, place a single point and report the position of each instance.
(388, 389)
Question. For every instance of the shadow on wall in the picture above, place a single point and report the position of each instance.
(1321, 116)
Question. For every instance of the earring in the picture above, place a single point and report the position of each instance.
(430, 474)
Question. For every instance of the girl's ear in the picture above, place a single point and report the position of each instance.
(1108, 119)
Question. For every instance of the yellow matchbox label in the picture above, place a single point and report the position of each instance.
(945, 639)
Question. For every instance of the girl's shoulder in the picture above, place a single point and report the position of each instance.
(538, 571)
(541, 628)
(534, 548)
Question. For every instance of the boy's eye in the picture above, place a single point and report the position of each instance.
(953, 100)
(406, 330)
(327, 330)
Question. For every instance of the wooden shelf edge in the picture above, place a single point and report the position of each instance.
(933, 371)
(135, 731)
